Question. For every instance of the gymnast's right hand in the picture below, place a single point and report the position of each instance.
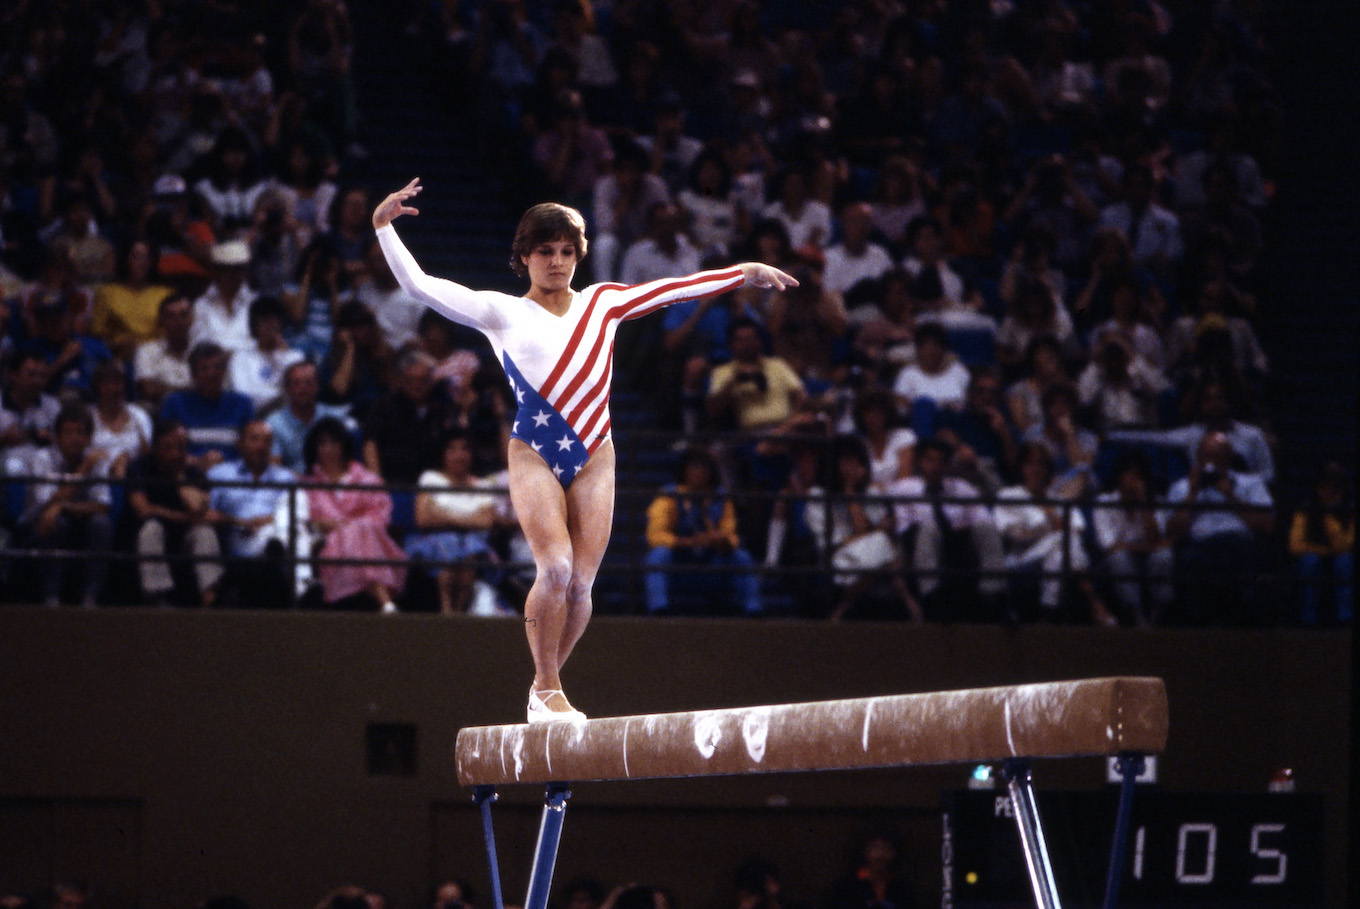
(394, 206)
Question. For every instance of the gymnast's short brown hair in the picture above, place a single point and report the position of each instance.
(544, 223)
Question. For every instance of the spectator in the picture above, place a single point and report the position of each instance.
(1218, 542)
(948, 537)
(807, 219)
(876, 880)
(358, 368)
(807, 326)
(571, 154)
(984, 446)
(304, 183)
(222, 313)
(1154, 232)
(937, 375)
(78, 241)
(398, 312)
(299, 413)
(262, 524)
(276, 244)
(856, 257)
(350, 235)
(1031, 261)
(182, 240)
(27, 414)
(1071, 448)
(257, 371)
(404, 430)
(70, 357)
(232, 184)
(671, 150)
(713, 218)
(621, 206)
(455, 514)
(936, 289)
(663, 252)
(1046, 538)
(1128, 321)
(753, 392)
(211, 415)
(853, 534)
(890, 447)
(313, 303)
(1119, 388)
(439, 337)
(161, 365)
(693, 524)
(1035, 312)
(122, 431)
(351, 521)
(1136, 556)
(1321, 543)
(1218, 308)
(126, 309)
(64, 514)
(1051, 195)
(1043, 369)
(897, 201)
(168, 513)
(1251, 448)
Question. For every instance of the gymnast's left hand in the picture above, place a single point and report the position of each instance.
(394, 206)
(758, 274)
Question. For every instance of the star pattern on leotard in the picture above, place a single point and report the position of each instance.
(542, 428)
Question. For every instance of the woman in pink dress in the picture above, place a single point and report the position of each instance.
(352, 521)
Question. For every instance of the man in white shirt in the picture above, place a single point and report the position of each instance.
(664, 252)
(855, 258)
(161, 365)
(398, 312)
(1154, 233)
(936, 375)
(222, 313)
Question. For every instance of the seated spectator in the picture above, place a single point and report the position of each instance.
(70, 357)
(1128, 320)
(1071, 448)
(1052, 196)
(1031, 261)
(1046, 538)
(1112, 269)
(876, 878)
(693, 524)
(313, 301)
(664, 251)
(257, 371)
(1217, 308)
(358, 369)
(1154, 232)
(807, 326)
(713, 218)
(351, 522)
(806, 218)
(65, 515)
(856, 257)
(260, 524)
(182, 241)
(1119, 388)
(985, 448)
(1043, 369)
(671, 150)
(161, 365)
(167, 516)
(211, 415)
(853, 535)
(276, 244)
(897, 201)
(1036, 312)
(1321, 543)
(937, 375)
(304, 182)
(1218, 548)
(350, 235)
(1251, 449)
(455, 364)
(455, 515)
(1136, 556)
(27, 414)
(405, 429)
(938, 293)
(890, 447)
(398, 312)
(78, 241)
(621, 204)
(222, 313)
(753, 392)
(948, 537)
(231, 187)
(122, 431)
(300, 412)
(126, 310)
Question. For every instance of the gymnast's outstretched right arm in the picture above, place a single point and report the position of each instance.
(475, 308)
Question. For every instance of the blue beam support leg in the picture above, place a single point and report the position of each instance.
(1130, 765)
(545, 854)
(484, 796)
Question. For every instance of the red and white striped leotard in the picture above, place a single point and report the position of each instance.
(559, 367)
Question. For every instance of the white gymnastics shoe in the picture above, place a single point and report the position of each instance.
(539, 712)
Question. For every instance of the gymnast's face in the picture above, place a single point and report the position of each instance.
(551, 265)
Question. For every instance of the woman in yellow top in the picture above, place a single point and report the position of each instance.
(1320, 540)
(125, 310)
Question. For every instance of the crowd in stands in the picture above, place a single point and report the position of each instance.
(1020, 378)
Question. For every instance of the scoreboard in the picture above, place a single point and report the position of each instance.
(1184, 849)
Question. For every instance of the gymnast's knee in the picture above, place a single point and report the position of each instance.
(555, 576)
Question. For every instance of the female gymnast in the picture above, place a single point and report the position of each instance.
(556, 346)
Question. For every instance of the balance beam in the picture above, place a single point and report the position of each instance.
(1088, 717)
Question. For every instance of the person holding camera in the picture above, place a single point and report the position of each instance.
(1221, 519)
(753, 392)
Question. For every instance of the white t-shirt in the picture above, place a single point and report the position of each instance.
(844, 270)
(947, 389)
(131, 440)
(883, 470)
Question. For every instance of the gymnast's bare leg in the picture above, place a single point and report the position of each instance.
(567, 532)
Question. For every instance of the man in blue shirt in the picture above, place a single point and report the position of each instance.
(212, 415)
(1218, 546)
(300, 412)
(250, 503)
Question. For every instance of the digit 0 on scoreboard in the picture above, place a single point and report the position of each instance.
(1185, 849)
